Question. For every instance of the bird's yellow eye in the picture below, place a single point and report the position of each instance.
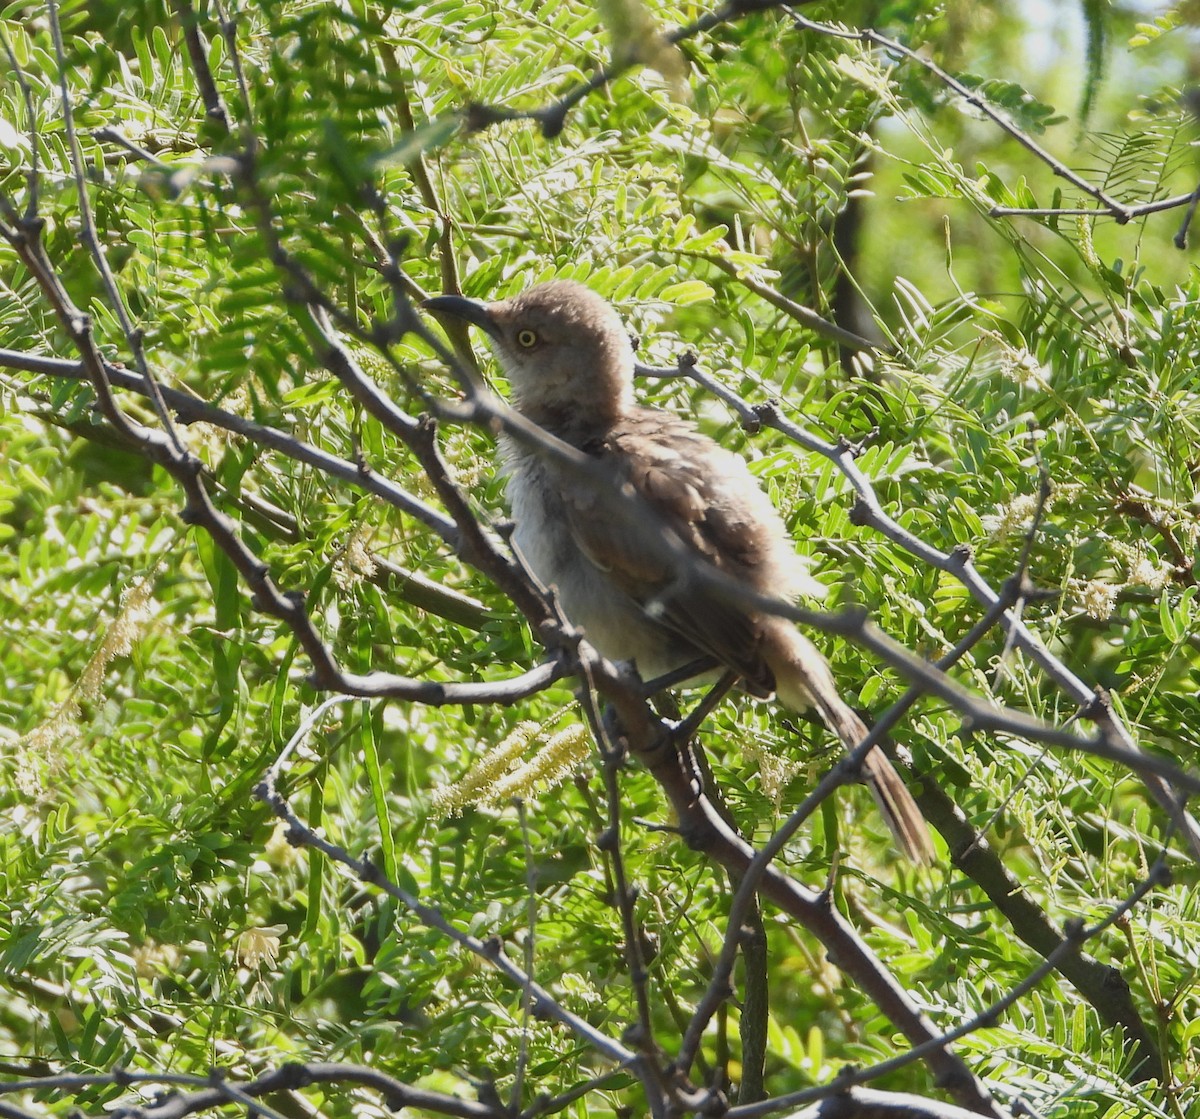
(527, 338)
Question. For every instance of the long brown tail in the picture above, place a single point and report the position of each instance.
(803, 680)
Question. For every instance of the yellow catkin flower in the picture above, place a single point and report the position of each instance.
(550, 766)
(1144, 572)
(1023, 367)
(450, 800)
(1087, 248)
(132, 616)
(42, 743)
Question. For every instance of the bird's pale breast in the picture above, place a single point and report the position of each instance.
(616, 625)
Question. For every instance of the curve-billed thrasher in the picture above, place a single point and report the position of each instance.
(570, 366)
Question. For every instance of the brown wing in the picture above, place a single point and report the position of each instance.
(709, 501)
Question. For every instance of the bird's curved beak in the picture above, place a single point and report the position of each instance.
(469, 310)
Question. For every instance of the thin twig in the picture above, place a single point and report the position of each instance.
(1112, 735)
(492, 952)
(1075, 935)
(847, 769)
(91, 241)
(188, 409)
(551, 118)
(197, 48)
(33, 175)
(205, 1095)
(1117, 209)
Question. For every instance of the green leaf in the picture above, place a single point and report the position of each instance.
(687, 292)
(420, 140)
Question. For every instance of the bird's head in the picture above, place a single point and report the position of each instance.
(566, 353)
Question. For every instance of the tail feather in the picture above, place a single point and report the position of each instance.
(802, 680)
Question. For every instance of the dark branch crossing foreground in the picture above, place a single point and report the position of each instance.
(224, 289)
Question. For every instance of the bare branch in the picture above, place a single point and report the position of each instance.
(197, 48)
(1113, 740)
(874, 38)
(206, 1095)
(1127, 212)
(551, 118)
(542, 1003)
(1075, 936)
(704, 830)
(867, 1103)
(189, 409)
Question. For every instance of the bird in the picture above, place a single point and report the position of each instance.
(624, 579)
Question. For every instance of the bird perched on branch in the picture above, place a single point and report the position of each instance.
(626, 574)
